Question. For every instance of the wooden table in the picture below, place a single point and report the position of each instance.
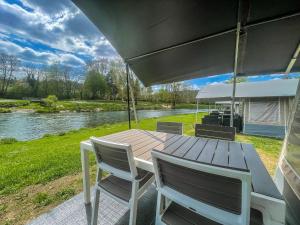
(234, 155)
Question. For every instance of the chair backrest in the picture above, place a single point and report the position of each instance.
(170, 127)
(222, 195)
(211, 119)
(215, 131)
(215, 113)
(115, 158)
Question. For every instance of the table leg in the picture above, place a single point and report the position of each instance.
(85, 175)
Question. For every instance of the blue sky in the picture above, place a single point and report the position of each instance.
(41, 32)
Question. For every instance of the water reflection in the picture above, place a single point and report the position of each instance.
(26, 126)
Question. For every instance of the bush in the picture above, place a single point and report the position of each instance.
(13, 103)
(8, 140)
(49, 101)
(4, 110)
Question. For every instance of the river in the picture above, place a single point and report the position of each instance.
(28, 126)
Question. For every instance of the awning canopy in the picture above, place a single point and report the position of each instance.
(165, 41)
(262, 89)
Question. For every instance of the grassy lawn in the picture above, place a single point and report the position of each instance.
(7, 106)
(39, 174)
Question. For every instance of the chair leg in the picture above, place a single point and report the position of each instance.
(97, 199)
(96, 207)
(159, 207)
(133, 203)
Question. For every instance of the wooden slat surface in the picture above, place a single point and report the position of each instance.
(228, 154)
(208, 151)
(221, 154)
(261, 180)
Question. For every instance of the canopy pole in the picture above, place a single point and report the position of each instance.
(235, 72)
(293, 60)
(133, 100)
(197, 112)
(128, 103)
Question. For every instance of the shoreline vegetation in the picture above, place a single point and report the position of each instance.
(38, 175)
(44, 106)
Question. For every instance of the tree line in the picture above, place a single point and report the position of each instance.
(103, 79)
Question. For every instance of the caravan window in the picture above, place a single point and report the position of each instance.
(264, 112)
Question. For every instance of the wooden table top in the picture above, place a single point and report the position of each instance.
(227, 154)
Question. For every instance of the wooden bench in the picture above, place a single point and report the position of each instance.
(215, 131)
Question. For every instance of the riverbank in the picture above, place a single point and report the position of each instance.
(7, 106)
(39, 174)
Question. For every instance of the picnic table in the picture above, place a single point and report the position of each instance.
(265, 196)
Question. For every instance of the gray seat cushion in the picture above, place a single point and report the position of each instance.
(122, 188)
(179, 215)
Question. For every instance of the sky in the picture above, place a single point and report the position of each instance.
(41, 32)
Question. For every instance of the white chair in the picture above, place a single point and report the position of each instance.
(126, 183)
(199, 193)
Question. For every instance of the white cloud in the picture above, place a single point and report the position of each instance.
(56, 23)
(29, 55)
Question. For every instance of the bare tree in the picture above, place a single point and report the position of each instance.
(8, 66)
(174, 89)
(101, 66)
(33, 79)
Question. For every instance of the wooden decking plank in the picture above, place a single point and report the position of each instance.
(147, 141)
(159, 136)
(236, 156)
(261, 180)
(150, 146)
(169, 142)
(140, 137)
(120, 134)
(123, 136)
(173, 147)
(197, 148)
(221, 154)
(131, 138)
(146, 155)
(208, 151)
(183, 149)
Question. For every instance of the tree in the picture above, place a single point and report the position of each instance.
(33, 79)
(174, 89)
(112, 89)
(95, 85)
(8, 66)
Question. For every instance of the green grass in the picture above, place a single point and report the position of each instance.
(39, 161)
(37, 175)
(42, 199)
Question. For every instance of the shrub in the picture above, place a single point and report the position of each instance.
(13, 103)
(49, 101)
(4, 110)
(8, 140)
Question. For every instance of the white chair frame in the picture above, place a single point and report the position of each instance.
(208, 211)
(136, 191)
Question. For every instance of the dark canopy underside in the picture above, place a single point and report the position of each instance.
(172, 40)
